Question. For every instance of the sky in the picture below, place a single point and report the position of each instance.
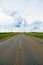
(21, 14)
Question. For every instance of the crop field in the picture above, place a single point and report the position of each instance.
(36, 34)
(7, 35)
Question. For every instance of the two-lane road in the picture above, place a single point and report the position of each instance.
(21, 50)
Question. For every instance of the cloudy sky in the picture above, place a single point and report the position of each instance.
(21, 13)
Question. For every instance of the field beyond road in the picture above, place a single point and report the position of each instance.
(4, 36)
(36, 34)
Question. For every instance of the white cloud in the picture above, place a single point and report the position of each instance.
(4, 18)
(41, 27)
(30, 10)
(17, 23)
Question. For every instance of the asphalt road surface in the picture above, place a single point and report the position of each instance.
(21, 50)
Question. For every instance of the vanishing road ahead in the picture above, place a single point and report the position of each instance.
(21, 50)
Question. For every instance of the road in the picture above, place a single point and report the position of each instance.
(21, 50)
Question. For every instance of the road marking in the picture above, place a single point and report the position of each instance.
(20, 44)
(18, 54)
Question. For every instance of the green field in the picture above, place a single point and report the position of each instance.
(36, 34)
(4, 36)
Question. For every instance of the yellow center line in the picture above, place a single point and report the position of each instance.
(20, 44)
(18, 55)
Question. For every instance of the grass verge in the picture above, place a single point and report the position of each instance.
(4, 36)
(36, 34)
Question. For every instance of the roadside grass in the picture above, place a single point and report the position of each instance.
(35, 34)
(7, 35)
